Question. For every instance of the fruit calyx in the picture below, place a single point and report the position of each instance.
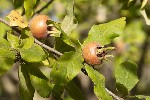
(94, 54)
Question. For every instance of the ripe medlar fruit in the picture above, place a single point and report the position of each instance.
(94, 54)
(38, 26)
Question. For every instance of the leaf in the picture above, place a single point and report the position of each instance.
(67, 67)
(33, 54)
(13, 40)
(74, 91)
(58, 91)
(99, 83)
(105, 33)
(43, 87)
(27, 40)
(126, 74)
(26, 89)
(7, 56)
(4, 29)
(62, 47)
(17, 20)
(29, 7)
(142, 97)
(122, 89)
(39, 81)
(69, 23)
(18, 3)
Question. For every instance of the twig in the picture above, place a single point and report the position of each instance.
(36, 41)
(44, 6)
(47, 47)
(113, 95)
(4, 21)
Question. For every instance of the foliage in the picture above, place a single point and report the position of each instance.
(63, 55)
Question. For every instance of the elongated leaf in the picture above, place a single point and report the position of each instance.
(126, 74)
(33, 54)
(142, 97)
(43, 87)
(26, 89)
(99, 83)
(62, 46)
(74, 91)
(27, 39)
(13, 40)
(39, 81)
(29, 7)
(69, 23)
(7, 56)
(4, 29)
(58, 91)
(105, 33)
(67, 67)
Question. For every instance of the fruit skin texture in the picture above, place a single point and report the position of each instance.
(89, 53)
(38, 26)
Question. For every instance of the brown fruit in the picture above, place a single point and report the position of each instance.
(94, 54)
(90, 55)
(38, 26)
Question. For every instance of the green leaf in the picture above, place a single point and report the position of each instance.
(69, 23)
(99, 83)
(13, 40)
(39, 81)
(126, 74)
(33, 54)
(142, 97)
(67, 67)
(62, 34)
(29, 7)
(18, 3)
(43, 87)
(74, 91)
(62, 47)
(7, 56)
(122, 89)
(27, 39)
(4, 29)
(57, 92)
(26, 89)
(105, 33)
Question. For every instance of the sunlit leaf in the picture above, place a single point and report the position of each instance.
(126, 74)
(99, 83)
(33, 54)
(26, 89)
(69, 23)
(105, 33)
(17, 20)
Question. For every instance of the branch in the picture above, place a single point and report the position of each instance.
(44, 6)
(36, 41)
(47, 47)
(113, 95)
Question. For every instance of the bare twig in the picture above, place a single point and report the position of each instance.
(47, 47)
(113, 95)
(36, 41)
(4, 21)
(44, 6)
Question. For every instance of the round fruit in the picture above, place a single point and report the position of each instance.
(38, 26)
(93, 54)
